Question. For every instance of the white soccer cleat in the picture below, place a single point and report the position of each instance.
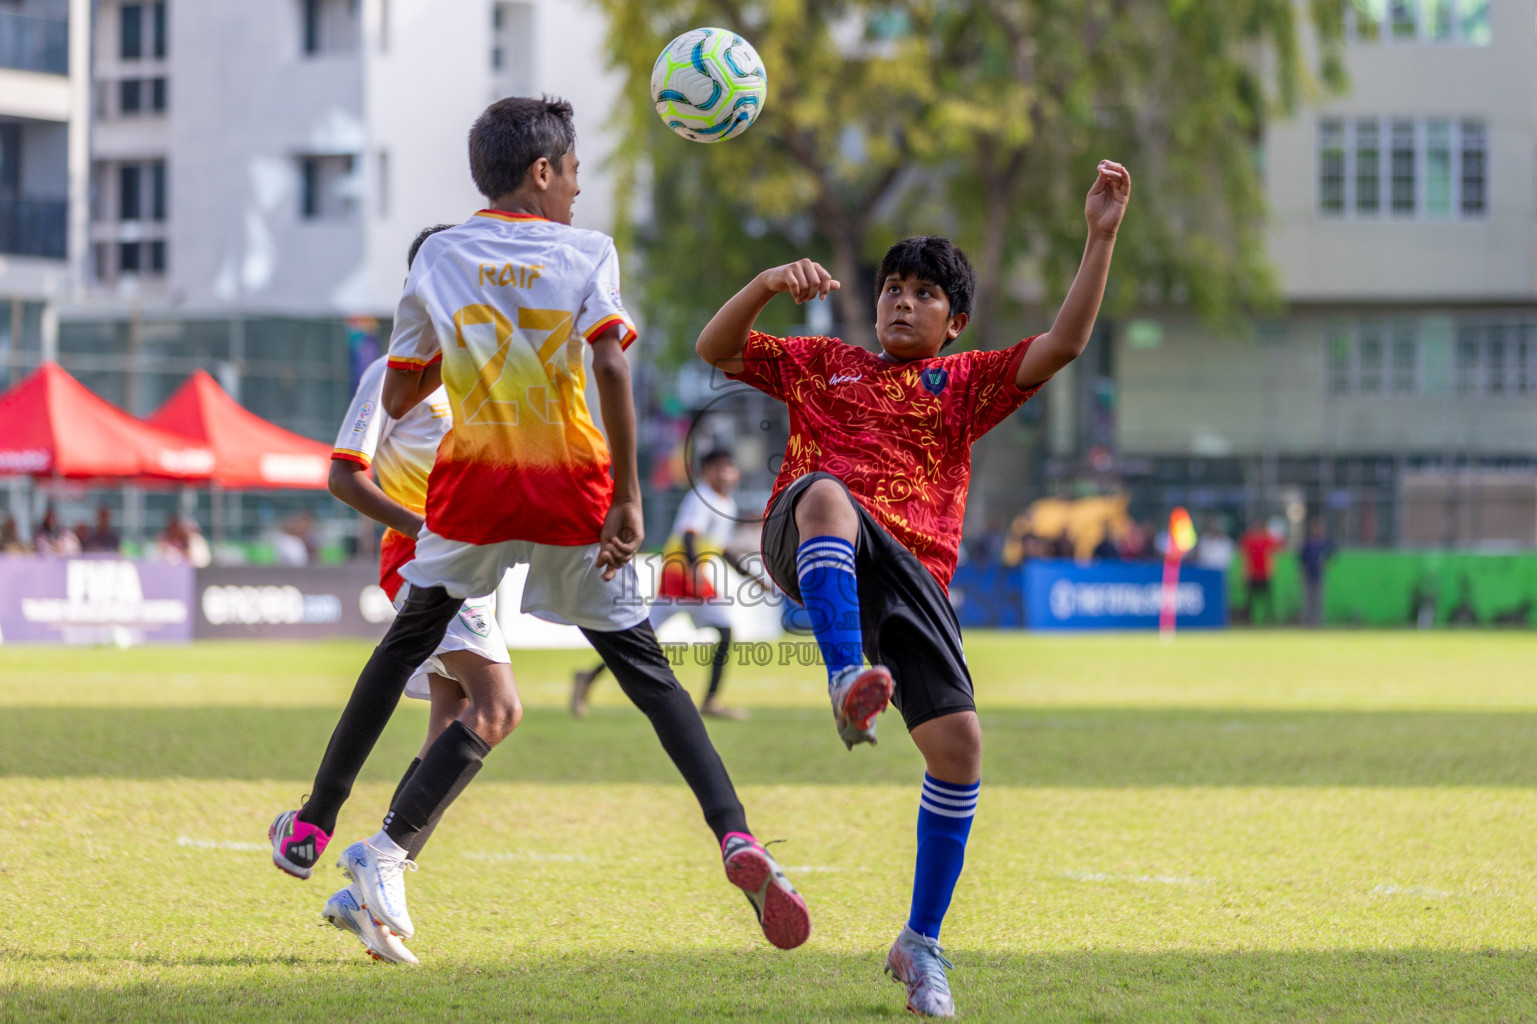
(858, 695)
(381, 885)
(918, 962)
(345, 910)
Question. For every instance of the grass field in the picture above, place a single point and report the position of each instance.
(1270, 826)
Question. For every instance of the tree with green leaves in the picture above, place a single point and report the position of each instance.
(979, 119)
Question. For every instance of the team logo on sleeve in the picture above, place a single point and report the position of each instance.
(365, 412)
(934, 379)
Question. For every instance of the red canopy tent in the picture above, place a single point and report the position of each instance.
(248, 452)
(52, 426)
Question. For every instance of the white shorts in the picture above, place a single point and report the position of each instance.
(473, 629)
(564, 584)
(704, 614)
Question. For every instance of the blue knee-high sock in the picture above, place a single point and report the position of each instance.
(830, 592)
(944, 821)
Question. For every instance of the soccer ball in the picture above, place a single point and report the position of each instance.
(708, 85)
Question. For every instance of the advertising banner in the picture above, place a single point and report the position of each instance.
(299, 603)
(1061, 594)
(94, 600)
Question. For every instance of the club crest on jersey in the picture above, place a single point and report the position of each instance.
(934, 379)
(475, 621)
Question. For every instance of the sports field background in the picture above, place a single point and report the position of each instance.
(1242, 826)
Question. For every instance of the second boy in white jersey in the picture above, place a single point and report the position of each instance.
(400, 454)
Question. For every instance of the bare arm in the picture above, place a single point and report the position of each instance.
(1069, 335)
(623, 527)
(721, 342)
(351, 485)
(404, 390)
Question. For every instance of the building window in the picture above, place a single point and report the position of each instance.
(1368, 169)
(326, 187)
(1438, 168)
(512, 48)
(1419, 21)
(130, 96)
(1435, 168)
(157, 95)
(1492, 355)
(1404, 356)
(157, 257)
(1331, 167)
(1402, 165)
(156, 170)
(1474, 159)
(329, 26)
(158, 30)
(128, 257)
(128, 182)
(1369, 359)
(130, 35)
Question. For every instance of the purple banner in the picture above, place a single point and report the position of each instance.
(94, 601)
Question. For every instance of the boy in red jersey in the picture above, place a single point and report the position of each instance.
(864, 523)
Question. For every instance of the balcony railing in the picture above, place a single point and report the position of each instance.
(33, 227)
(28, 43)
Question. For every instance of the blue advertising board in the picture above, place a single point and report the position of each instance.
(1061, 594)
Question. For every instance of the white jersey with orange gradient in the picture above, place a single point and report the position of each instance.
(509, 302)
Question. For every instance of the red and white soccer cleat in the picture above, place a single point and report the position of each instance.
(781, 910)
(858, 695)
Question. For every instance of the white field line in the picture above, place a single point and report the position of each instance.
(219, 844)
(1100, 876)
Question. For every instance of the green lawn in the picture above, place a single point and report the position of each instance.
(1271, 826)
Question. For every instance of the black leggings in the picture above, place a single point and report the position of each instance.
(637, 661)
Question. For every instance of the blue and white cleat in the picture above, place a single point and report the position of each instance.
(381, 884)
(919, 963)
(858, 695)
(345, 910)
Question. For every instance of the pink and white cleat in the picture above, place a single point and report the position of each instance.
(858, 695)
(296, 845)
(781, 910)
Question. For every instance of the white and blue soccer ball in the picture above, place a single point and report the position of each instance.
(708, 85)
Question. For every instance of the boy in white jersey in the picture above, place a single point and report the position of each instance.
(500, 310)
(400, 452)
(700, 542)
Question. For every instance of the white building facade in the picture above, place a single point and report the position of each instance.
(1398, 389)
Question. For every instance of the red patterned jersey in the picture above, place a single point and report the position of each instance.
(898, 435)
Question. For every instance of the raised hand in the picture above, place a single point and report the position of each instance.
(803, 280)
(1107, 200)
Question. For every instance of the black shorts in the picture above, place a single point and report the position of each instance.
(906, 620)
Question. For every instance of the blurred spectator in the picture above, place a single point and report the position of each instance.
(986, 549)
(1316, 552)
(1259, 548)
(1106, 550)
(52, 539)
(1214, 549)
(103, 537)
(1136, 542)
(10, 538)
(182, 542)
(295, 544)
(1062, 547)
